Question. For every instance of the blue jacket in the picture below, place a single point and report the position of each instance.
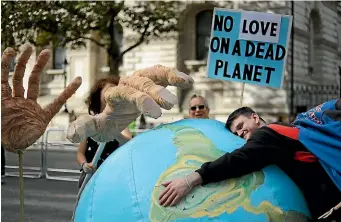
(320, 133)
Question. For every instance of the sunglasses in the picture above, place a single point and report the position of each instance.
(193, 108)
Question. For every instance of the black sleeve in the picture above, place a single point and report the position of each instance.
(265, 147)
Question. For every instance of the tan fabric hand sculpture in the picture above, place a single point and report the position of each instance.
(23, 121)
(143, 92)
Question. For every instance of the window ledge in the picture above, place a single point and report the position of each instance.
(55, 72)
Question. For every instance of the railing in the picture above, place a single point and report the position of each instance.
(309, 96)
(57, 172)
(41, 152)
(29, 171)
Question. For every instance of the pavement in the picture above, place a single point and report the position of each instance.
(45, 200)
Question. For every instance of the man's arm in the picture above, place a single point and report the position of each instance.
(264, 148)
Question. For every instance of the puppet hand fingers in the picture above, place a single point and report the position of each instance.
(165, 76)
(124, 98)
(162, 96)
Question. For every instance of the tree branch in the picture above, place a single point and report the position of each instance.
(139, 42)
(80, 37)
(91, 39)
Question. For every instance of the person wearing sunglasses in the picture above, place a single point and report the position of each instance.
(198, 108)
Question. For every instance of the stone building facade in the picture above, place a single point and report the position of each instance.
(316, 61)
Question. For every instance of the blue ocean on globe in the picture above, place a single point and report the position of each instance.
(127, 185)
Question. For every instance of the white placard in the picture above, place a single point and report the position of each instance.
(256, 26)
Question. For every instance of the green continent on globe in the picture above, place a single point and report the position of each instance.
(212, 200)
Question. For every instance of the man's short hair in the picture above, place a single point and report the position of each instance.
(245, 111)
(201, 97)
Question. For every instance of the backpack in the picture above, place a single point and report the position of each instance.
(320, 132)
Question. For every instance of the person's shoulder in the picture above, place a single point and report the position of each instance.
(275, 131)
(91, 143)
(267, 132)
(282, 124)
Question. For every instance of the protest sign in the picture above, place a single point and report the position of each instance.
(248, 47)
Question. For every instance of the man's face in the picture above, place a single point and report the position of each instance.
(197, 109)
(244, 126)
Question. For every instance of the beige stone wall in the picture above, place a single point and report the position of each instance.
(327, 55)
(157, 51)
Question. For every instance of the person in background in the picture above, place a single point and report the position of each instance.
(88, 148)
(198, 108)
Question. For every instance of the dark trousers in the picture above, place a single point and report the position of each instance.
(3, 161)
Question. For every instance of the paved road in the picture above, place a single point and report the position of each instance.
(45, 200)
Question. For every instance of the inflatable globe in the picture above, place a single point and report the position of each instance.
(127, 185)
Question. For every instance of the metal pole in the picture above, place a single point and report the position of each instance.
(65, 78)
(292, 61)
(88, 176)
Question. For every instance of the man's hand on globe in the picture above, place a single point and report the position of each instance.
(174, 191)
(23, 121)
(178, 188)
(142, 93)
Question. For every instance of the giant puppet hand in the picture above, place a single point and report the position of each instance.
(143, 92)
(23, 121)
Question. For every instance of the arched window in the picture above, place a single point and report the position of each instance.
(203, 33)
(59, 56)
(313, 46)
(59, 53)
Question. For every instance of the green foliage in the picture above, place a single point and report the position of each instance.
(72, 23)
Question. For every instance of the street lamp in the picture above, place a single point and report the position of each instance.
(65, 78)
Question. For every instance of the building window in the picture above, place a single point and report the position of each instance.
(59, 56)
(314, 34)
(203, 33)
